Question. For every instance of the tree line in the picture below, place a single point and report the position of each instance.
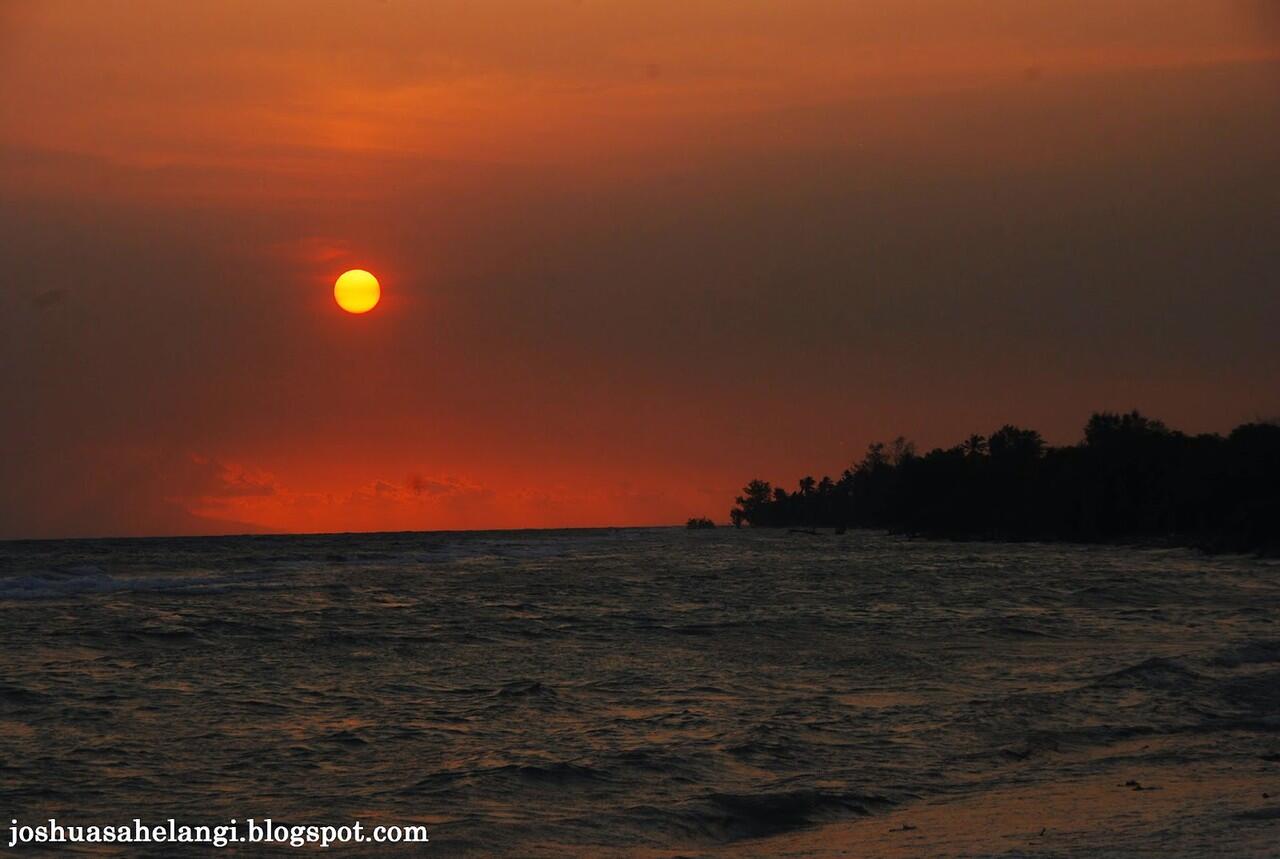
(1130, 478)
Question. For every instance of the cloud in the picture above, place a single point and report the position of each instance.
(96, 491)
(448, 486)
(208, 478)
(417, 503)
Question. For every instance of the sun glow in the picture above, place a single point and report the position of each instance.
(357, 291)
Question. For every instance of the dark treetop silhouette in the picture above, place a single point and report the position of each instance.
(1131, 478)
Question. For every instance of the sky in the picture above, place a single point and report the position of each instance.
(632, 254)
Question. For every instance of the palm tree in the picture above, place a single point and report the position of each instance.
(974, 446)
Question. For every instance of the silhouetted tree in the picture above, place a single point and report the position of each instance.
(1131, 477)
(974, 446)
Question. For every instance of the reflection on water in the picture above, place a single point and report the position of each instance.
(653, 690)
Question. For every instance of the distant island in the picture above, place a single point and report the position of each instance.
(1131, 479)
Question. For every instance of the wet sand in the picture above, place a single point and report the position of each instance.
(1184, 811)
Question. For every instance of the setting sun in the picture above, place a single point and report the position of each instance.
(357, 291)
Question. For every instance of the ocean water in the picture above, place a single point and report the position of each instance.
(643, 692)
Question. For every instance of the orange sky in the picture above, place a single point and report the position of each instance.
(632, 254)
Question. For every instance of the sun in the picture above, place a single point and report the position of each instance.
(357, 291)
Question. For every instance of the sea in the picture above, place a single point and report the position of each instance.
(645, 692)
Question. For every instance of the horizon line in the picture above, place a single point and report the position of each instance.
(239, 534)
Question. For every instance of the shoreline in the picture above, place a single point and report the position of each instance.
(1205, 808)
(1092, 815)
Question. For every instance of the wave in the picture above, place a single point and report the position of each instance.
(720, 818)
(560, 773)
(556, 773)
(1256, 693)
(1249, 653)
(668, 714)
(89, 580)
(1158, 672)
(527, 689)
